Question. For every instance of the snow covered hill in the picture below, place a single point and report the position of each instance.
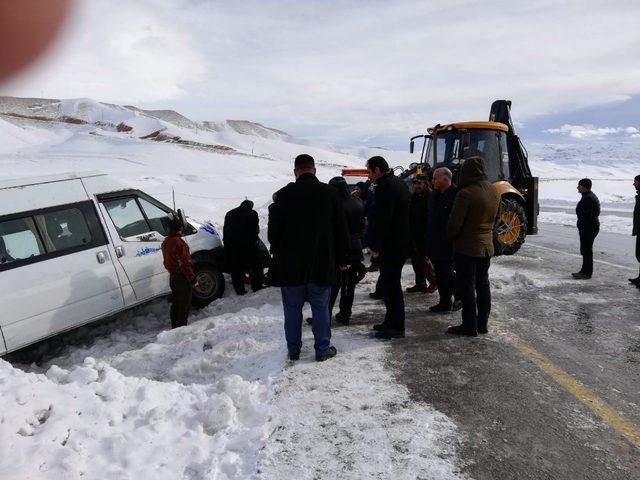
(217, 399)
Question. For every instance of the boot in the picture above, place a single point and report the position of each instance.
(635, 281)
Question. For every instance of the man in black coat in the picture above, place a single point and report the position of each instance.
(422, 266)
(348, 279)
(240, 235)
(588, 212)
(390, 242)
(439, 247)
(636, 226)
(309, 242)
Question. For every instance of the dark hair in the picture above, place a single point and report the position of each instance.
(247, 203)
(304, 162)
(637, 178)
(175, 225)
(362, 185)
(379, 162)
(586, 183)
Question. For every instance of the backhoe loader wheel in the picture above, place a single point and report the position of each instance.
(510, 228)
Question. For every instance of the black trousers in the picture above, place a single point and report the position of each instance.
(346, 287)
(423, 269)
(238, 276)
(445, 278)
(390, 273)
(587, 236)
(472, 280)
(180, 299)
(638, 248)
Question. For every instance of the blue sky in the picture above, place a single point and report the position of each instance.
(357, 72)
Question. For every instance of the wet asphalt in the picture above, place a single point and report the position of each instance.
(517, 422)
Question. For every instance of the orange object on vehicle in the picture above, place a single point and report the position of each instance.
(355, 172)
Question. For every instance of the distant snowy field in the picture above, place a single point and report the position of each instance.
(129, 399)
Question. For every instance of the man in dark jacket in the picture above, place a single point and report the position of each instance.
(439, 247)
(390, 241)
(588, 212)
(422, 266)
(182, 279)
(241, 246)
(309, 241)
(636, 226)
(348, 279)
(470, 228)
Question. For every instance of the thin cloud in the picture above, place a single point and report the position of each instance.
(589, 131)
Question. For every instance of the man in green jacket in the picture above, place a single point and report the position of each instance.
(470, 228)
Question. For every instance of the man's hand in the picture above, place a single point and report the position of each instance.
(195, 286)
(344, 268)
(374, 254)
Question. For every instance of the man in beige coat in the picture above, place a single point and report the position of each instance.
(470, 228)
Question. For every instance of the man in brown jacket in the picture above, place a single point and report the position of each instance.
(470, 228)
(182, 280)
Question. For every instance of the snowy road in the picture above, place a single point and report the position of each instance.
(520, 395)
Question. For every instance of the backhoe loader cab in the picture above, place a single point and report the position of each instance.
(505, 162)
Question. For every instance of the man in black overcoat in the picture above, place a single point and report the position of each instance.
(240, 234)
(310, 243)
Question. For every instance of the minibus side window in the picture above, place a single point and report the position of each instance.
(127, 217)
(63, 229)
(19, 240)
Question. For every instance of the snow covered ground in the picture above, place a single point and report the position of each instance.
(129, 398)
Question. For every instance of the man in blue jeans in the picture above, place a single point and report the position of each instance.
(309, 242)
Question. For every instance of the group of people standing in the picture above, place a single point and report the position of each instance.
(316, 233)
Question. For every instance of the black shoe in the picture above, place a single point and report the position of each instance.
(420, 288)
(440, 308)
(581, 276)
(294, 356)
(310, 321)
(241, 292)
(388, 334)
(331, 352)
(376, 296)
(483, 330)
(635, 281)
(462, 330)
(457, 305)
(342, 319)
(380, 326)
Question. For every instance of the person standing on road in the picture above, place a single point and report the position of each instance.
(470, 227)
(241, 254)
(348, 279)
(422, 266)
(588, 212)
(439, 247)
(309, 242)
(390, 242)
(182, 279)
(636, 227)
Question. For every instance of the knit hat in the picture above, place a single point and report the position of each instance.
(586, 183)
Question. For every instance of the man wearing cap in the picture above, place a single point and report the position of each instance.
(422, 267)
(240, 234)
(636, 227)
(588, 213)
